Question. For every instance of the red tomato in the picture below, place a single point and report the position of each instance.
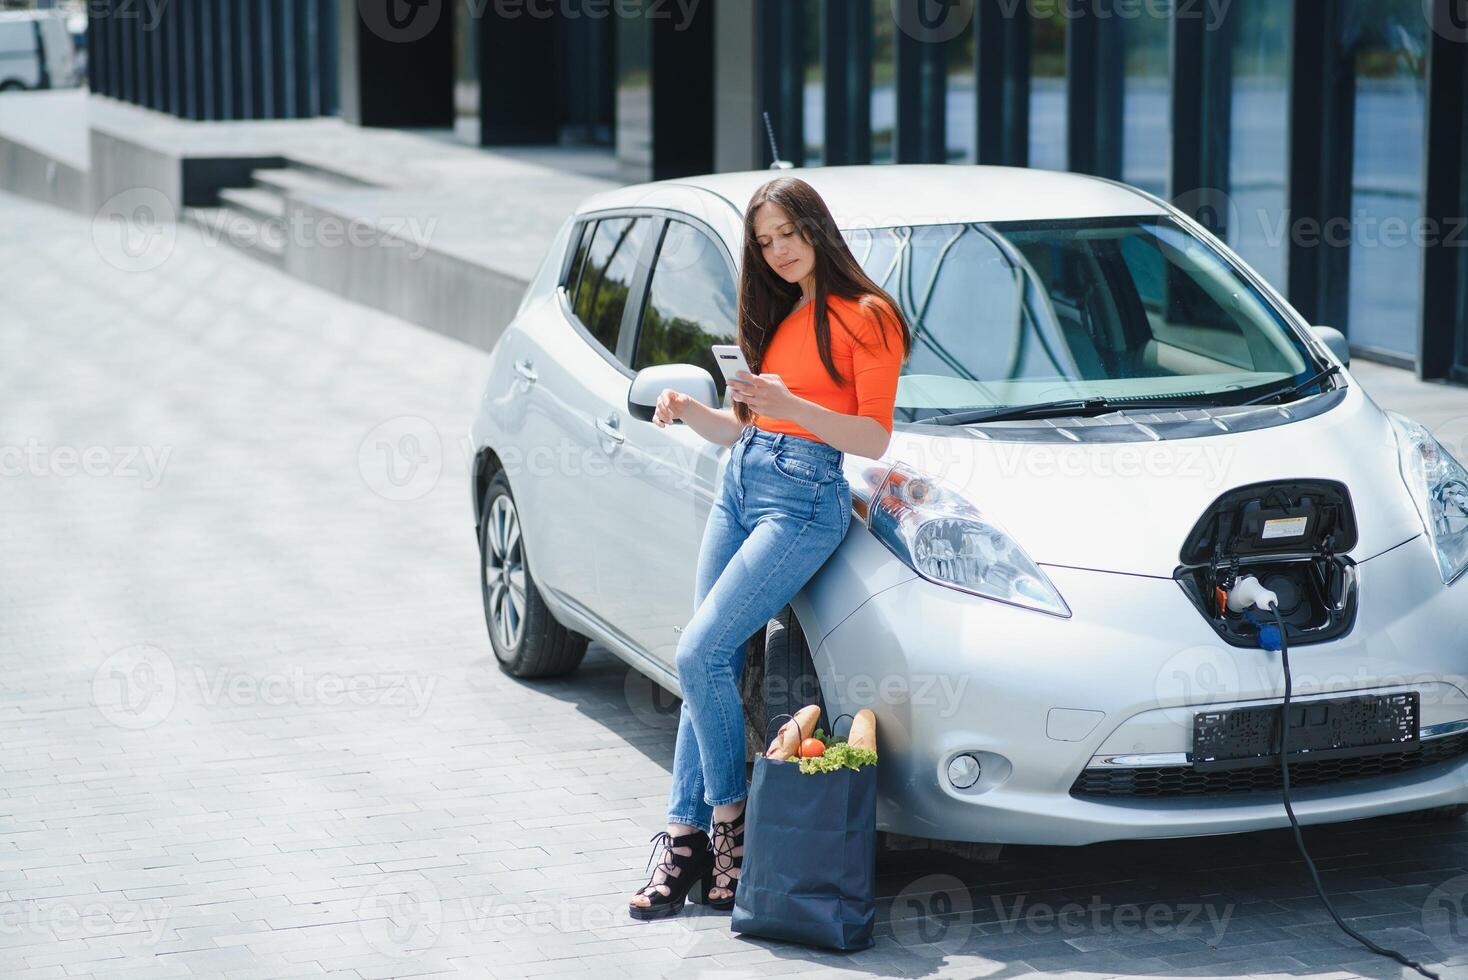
(812, 748)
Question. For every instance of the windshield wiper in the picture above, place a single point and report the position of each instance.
(1055, 409)
(1295, 389)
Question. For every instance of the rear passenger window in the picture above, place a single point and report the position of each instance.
(690, 303)
(604, 274)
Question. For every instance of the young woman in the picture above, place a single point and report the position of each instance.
(827, 345)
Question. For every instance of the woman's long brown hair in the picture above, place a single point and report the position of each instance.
(765, 298)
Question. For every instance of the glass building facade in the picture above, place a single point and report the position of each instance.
(1323, 140)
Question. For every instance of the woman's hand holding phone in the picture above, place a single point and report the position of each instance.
(765, 394)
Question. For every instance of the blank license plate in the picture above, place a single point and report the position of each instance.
(1328, 729)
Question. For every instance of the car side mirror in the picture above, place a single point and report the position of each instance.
(648, 384)
(1336, 341)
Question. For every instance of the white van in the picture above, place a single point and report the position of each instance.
(36, 51)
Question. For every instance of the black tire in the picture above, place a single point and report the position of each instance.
(11, 85)
(527, 642)
(779, 679)
(1436, 814)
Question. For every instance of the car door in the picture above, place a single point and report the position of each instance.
(650, 551)
(574, 391)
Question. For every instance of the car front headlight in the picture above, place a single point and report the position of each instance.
(947, 540)
(1439, 487)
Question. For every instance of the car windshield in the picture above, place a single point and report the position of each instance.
(1131, 311)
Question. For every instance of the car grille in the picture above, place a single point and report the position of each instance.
(1159, 782)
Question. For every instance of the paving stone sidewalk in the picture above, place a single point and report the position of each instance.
(250, 726)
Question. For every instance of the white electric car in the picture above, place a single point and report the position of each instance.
(1106, 422)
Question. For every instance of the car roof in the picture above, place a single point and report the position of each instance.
(882, 195)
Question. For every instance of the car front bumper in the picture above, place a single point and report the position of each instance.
(1037, 699)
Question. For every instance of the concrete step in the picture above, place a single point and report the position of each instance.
(287, 181)
(245, 231)
(301, 177)
(260, 204)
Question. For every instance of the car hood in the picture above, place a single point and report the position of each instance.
(1127, 506)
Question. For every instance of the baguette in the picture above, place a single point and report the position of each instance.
(864, 730)
(792, 733)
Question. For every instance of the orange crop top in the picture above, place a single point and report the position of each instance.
(871, 372)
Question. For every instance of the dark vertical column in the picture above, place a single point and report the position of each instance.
(683, 92)
(171, 27)
(1094, 77)
(127, 56)
(190, 80)
(264, 59)
(286, 19)
(1002, 47)
(584, 63)
(1321, 131)
(846, 53)
(1443, 332)
(1094, 85)
(780, 26)
(247, 83)
(141, 62)
(154, 63)
(96, 44)
(109, 71)
(512, 49)
(922, 82)
(1202, 106)
(224, 70)
(397, 69)
(307, 100)
(205, 33)
(1185, 58)
(329, 56)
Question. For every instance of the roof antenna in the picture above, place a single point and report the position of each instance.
(774, 150)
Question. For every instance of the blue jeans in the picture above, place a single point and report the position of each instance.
(782, 507)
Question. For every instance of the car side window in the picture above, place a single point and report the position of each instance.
(603, 276)
(690, 303)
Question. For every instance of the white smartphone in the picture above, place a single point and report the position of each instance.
(731, 359)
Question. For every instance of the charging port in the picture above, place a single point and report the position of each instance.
(1292, 535)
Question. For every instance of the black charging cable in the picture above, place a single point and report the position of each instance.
(1284, 771)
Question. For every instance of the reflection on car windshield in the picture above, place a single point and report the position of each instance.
(1019, 313)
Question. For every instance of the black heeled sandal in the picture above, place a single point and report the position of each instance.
(692, 870)
(730, 835)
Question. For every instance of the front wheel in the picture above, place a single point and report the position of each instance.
(779, 679)
(527, 640)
